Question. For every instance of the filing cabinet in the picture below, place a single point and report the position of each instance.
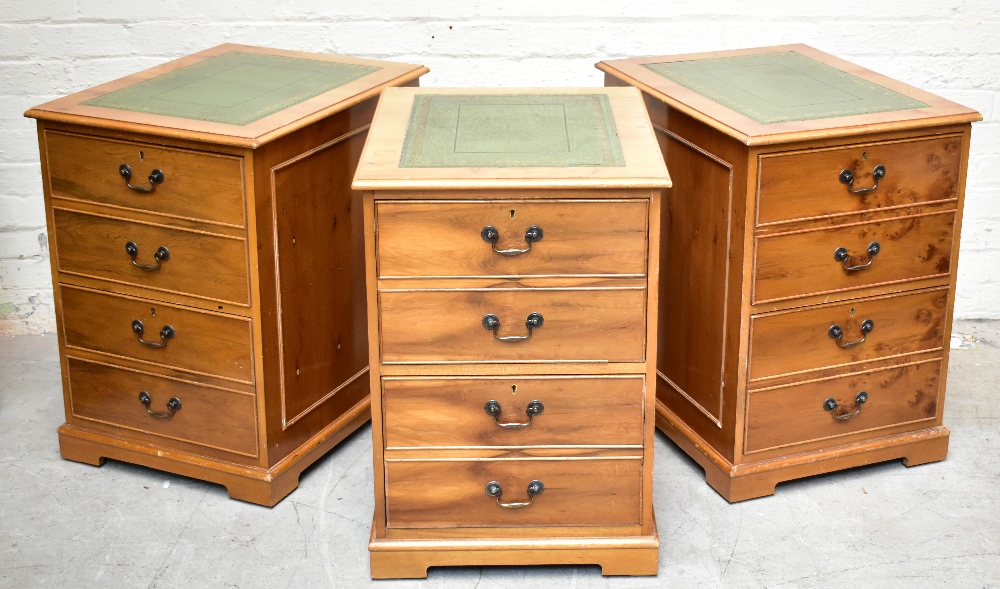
(809, 253)
(512, 323)
(207, 260)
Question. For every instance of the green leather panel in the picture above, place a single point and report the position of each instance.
(235, 88)
(782, 87)
(511, 130)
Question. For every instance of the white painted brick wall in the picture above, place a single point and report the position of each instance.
(49, 48)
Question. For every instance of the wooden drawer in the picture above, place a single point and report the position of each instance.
(203, 343)
(607, 325)
(452, 493)
(206, 266)
(196, 185)
(804, 263)
(807, 184)
(578, 237)
(795, 414)
(796, 341)
(208, 416)
(425, 412)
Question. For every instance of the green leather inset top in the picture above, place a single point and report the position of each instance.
(782, 87)
(511, 130)
(236, 88)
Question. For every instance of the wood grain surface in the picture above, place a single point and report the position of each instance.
(203, 265)
(786, 343)
(695, 254)
(806, 184)
(444, 238)
(940, 111)
(319, 261)
(794, 414)
(209, 416)
(204, 343)
(606, 325)
(451, 493)
(802, 263)
(580, 410)
(197, 185)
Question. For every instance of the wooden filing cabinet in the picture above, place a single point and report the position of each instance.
(809, 248)
(208, 266)
(507, 242)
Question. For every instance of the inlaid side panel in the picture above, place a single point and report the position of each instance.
(693, 269)
(321, 274)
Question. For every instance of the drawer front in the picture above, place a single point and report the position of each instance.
(806, 263)
(797, 414)
(569, 411)
(577, 237)
(202, 186)
(448, 325)
(204, 266)
(452, 493)
(207, 416)
(808, 184)
(805, 340)
(203, 343)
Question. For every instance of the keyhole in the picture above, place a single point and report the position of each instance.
(852, 311)
(513, 389)
(152, 312)
(864, 156)
(512, 213)
(141, 156)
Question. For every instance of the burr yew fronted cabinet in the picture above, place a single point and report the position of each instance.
(512, 314)
(207, 261)
(808, 253)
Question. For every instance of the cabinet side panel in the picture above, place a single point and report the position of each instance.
(320, 275)
(312, 277)
(701, 250)
(696, 218)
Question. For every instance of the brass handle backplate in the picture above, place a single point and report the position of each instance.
(847, 177)
(493, 489)
(532, 234)
(165, 334)
(492, 322)
(162, 255)
(835, 332)
(155, 177)
(842, 255)
(173, 406)
(493, 408)
(832, 406)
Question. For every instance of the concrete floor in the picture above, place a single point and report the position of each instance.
(64, 524)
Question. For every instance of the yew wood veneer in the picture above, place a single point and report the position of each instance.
(512, 314)
(208, 266)
(808, 254)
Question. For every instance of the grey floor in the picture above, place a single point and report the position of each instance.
(64, 524)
